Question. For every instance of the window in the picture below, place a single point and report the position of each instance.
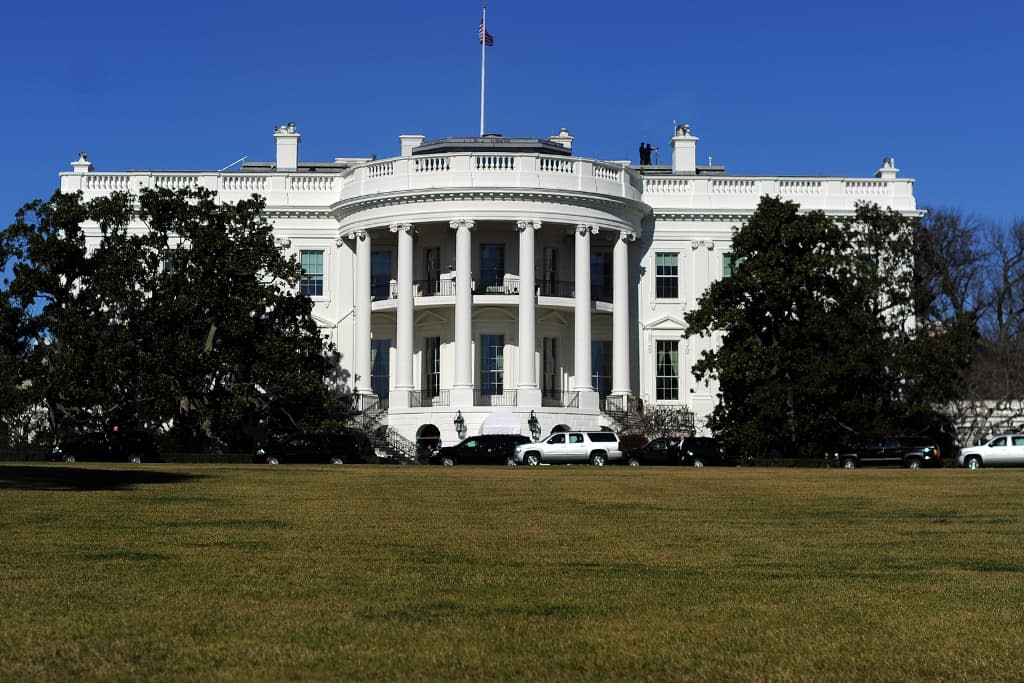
(729, 263)
(551, 383)
(548, 278)
(380, 275)
(557, 438)
(667, 370)
(492, 268)
(492, 366)
(432, 366)
(575, 438)
(601, 362)
(380, 367)
(601, 277)
(666, 274)
(312, 281)
(432, 271)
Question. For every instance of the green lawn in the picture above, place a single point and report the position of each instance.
(358, 573)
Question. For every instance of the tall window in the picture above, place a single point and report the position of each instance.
(601, 276)
(432, 270)
(549, 367)
(492, 364)
(666, 380)
(666, 273)
(380, 367)
(380, 275)
(548, 272)
(432, 366)
(492, 268)
(312, 281)
(601, 360)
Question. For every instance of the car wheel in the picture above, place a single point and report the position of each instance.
(849, 464)
(336, 460)
(697, 462)
(69, 458)
(448, 461)
(135, 459)
(633, 462)
(973, 462)
(532, 459)
(273, 461)
(510, 461)
(598, 459)
(914, 464)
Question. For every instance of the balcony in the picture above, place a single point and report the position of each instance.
(505, 286)
(491, 170)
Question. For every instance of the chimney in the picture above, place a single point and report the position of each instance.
(684, 150)
(288, 140)
(83, 165)
(409, 143)
(563, 138)
(887, 172)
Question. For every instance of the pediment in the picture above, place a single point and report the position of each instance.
(429, 317)
(552, 317)
(495, 313)
(667, 322)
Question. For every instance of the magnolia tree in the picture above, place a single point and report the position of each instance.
(819, 340)
(185, 316)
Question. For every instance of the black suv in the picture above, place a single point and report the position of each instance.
(112, 446)
(698, 451)
(912, 452)
(486, 449)
(333, 448)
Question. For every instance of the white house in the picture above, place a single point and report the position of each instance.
(469, 276)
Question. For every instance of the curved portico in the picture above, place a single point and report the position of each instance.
(458, 204)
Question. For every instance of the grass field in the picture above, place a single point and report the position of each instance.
(374, 573)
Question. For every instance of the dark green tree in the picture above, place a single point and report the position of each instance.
(185, 316)
(819, 342)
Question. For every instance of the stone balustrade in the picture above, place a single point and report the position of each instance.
(525, 171)
(491, 170)
(739, 194)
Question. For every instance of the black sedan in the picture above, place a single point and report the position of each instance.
(657, 452)
(112, 446)
(487, 449)
(332, 448)
(695, 451)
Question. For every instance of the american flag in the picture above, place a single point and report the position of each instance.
(485, 37)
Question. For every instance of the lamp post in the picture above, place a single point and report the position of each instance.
(534, 425)
(460, 425)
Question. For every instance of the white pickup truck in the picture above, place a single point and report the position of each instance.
(596, 447)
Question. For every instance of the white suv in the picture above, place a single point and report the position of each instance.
(597, 447)
(1003, 451)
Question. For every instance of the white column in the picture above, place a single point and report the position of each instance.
(361, 345)
(399, 397)
(583, 370)
(620, 315)
(462, 388)
(528, 392)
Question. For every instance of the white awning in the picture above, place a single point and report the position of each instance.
(501, 422)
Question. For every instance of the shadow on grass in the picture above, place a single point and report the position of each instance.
(81, 479)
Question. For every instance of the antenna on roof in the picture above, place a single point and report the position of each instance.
(232, 164)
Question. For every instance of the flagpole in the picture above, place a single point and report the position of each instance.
(483, 63)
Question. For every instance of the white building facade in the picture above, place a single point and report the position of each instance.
(473, 276)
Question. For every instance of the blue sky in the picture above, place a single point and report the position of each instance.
(788, 88)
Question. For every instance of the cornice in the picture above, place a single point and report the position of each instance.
(321, 212)
(705, 216)
(347, 207)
